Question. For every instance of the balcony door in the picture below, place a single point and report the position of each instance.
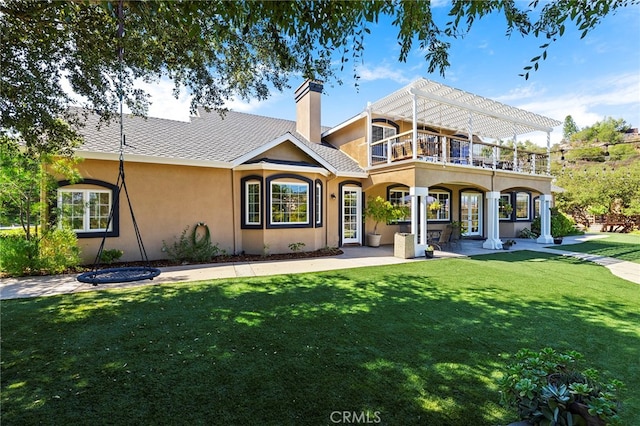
(351, 215)
(471, 213)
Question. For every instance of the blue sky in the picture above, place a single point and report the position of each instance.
(589, 79)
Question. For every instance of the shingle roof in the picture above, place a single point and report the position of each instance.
(205, 138)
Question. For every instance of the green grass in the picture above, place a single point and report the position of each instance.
(621, 246)
(417, 343)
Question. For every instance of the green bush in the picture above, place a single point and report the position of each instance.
(110, 256)
(561, 225)
(59, 251)
(192, 247)
(18, 256)
(52, 253)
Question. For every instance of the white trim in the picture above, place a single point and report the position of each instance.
(344, 124)
(358, 216)
(86, 212)
(283, 168)
(136, 158)
(246, 200)
(287, 137)
(286, 182)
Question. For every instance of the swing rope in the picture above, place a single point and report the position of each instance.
(121, 274)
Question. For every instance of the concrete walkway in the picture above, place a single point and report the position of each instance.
(353, 257)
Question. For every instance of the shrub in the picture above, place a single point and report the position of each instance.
(54, 252)
(549, 388)
(59, 251)
(192, 248)
(18, 256)
(110, 256)
(561, 225)
(527, 233)
(295, 247)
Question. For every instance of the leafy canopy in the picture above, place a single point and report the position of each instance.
(218, 49)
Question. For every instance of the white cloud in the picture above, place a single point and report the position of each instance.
(523, 92)
(162, 102)
(486, 47)
(587, 101)
(383, 71)
(254, 104)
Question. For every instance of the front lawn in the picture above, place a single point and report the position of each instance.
(621, 246)
(418, 343)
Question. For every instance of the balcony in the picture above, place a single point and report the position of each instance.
(444, 149)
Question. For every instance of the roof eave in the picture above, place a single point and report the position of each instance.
(136, 158)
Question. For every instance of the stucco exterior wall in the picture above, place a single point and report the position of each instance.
(165, 199)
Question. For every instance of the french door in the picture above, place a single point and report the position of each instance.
(351, 214)
(471, 213)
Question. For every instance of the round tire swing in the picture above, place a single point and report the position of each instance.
(123, 274)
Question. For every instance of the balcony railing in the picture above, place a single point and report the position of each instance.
(437, 148)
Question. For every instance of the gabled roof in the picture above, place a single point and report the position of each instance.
(206, 140)
(450, 108)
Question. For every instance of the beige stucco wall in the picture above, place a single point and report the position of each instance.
(456, 179)
(165, 199)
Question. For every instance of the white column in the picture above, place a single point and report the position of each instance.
(414, 136)
(516, 166)
(545, 220)
(493, 222)
(369, 150)
(548, 153)
(470, 129)
(419, 217)
(445, 150)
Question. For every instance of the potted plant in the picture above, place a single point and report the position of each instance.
(380, 210)
(508, 209)
(428, 252)
(456, 230)
(550, 388)
(507, 244)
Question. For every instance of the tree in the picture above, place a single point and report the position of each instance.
(26, 184)
(600, 174)
(219, 49)
(569, 128)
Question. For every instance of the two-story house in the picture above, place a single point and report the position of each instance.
(261, 182)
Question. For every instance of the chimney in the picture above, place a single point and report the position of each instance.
(308, 110)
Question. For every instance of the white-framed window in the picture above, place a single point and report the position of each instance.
(318, 200)
(505, 209)
(400, 196)
(289, 203)
(379, 132)
(439, 208)
(253, 213)
(522, 206)
(84, 210)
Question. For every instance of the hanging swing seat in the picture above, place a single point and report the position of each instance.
(119, 275)
(123, 274)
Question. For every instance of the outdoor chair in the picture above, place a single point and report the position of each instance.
(444, 239)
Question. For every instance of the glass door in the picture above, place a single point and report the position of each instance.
(351, 215)
(471, 213)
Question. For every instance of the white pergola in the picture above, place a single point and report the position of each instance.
(433, 104)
